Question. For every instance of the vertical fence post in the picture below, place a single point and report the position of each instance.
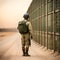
(47, 23)
(53, 28)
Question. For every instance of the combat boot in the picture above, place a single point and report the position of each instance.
(26, 54)
(23, 49)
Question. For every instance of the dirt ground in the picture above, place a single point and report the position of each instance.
(2, 34)
(10, 49)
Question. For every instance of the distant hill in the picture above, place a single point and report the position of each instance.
(8, 30)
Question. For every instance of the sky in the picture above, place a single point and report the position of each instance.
(12, 11)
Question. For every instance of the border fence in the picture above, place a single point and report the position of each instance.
(45, 19)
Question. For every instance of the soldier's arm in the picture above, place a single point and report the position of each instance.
(31, 30)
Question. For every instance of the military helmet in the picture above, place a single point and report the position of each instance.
(26, 16)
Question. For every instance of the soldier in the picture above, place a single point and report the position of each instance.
(26, 37)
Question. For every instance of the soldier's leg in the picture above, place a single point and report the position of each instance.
(27, 50)
(23, 49)
(23, 46)
(27, 44)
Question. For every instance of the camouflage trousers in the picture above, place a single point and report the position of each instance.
(25, 40)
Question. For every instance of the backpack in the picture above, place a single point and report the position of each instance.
(22, 27)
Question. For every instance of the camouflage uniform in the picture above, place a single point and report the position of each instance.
(26, 39)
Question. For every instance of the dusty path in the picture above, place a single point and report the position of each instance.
(10, 49)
